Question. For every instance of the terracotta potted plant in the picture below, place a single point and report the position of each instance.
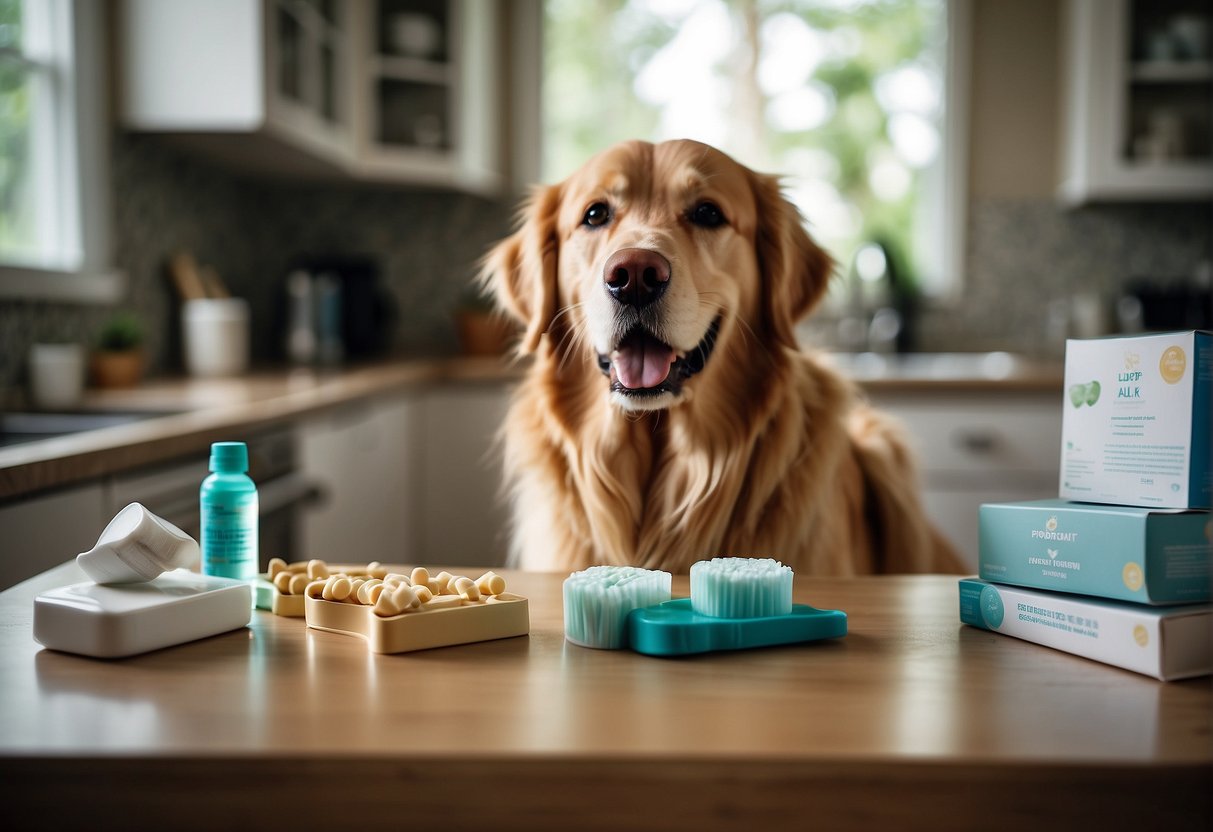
(118, 360)
(481, 329)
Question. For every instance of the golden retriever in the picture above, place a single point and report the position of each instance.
(668, 414)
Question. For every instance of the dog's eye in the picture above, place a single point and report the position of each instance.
(707, 215)
(597, 214)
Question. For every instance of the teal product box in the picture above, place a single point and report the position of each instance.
(1137, 428)
(1149, 556)
(1164, 642)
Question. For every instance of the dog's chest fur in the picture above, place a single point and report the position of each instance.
(772, 474)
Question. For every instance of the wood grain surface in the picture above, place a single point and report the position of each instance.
(911, 721)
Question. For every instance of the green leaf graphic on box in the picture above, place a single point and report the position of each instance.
(1078, 394)
(1093, 393)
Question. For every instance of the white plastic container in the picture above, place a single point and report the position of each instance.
(216, 336)
(110, 622)
(56, 375)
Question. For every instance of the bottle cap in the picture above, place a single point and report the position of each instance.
(229, 457)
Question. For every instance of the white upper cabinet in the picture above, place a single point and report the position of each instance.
(427, 90)
(390, 90)
(309, 62)
(1138, 101)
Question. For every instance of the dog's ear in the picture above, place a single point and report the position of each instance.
(520, 271)
(795, 271)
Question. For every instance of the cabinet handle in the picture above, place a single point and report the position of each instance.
(977, 441)
(287, 492)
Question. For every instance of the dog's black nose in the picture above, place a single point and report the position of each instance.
(636, 276)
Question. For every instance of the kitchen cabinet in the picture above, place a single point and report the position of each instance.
(412, 479)
(426, 91)
(407, 91)
(465, 518)
(274, 71)
(977, 447)
(363, 459)
(45, 530)
(1137, 101)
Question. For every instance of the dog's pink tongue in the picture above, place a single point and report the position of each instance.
(644, 364)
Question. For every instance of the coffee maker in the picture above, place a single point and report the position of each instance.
(335, 308)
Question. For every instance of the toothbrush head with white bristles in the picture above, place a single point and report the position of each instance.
(597, 602)
(741, 588)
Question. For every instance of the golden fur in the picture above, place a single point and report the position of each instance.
(764, 452)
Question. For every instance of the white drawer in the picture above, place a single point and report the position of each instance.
(990, 435)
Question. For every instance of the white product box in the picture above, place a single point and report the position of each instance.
(1138, 423)
(1163, 642)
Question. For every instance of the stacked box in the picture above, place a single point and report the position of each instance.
(1147, 556)
(1137, 451)
(1138, 421)
(1164, 642)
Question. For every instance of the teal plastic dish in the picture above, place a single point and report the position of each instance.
(674, 629)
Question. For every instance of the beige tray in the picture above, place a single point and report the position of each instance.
(502, 616)
(267, 597)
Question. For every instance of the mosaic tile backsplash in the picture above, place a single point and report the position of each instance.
(426, 243)
(1023, 256)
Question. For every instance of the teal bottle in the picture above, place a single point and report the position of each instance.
(229, 514)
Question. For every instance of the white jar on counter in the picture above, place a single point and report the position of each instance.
(56, 375)
(215, 333)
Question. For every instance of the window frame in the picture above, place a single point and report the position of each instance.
(77, 82)
(946, 286)
(955, 154)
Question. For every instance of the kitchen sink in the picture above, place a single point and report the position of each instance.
(17, 428)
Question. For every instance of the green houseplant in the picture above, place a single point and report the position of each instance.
(118, 360)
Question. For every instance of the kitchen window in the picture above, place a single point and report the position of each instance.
(857, 103)
(54, 199)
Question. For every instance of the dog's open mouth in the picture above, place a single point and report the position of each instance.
(644, 365)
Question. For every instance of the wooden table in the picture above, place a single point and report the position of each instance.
(912, 720)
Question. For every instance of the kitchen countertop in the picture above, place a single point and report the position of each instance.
(197, 412)
(910, 721)
(949, 371)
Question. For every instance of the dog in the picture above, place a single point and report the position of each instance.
(668, 414)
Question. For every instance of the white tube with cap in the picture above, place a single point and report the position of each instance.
(137, 546)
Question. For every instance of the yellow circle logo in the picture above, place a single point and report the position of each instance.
(1140, 635)
(1132, 576)
(1173, 364)
(1051, 525)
